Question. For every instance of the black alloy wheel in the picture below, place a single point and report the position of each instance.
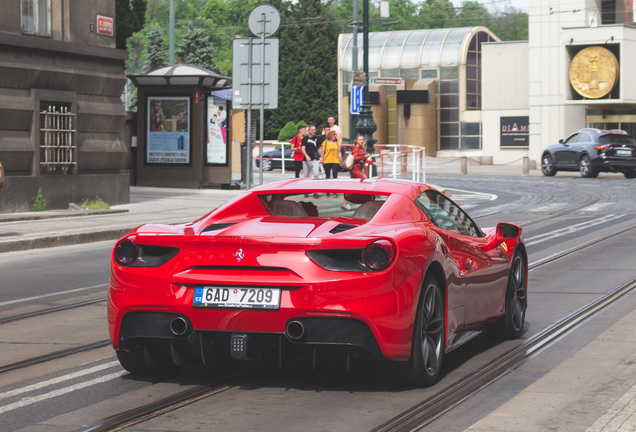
(585, 167)
(429, 333)
(516, 299)
(547, 165)
(423, 368)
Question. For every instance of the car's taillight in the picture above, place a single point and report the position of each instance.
(602, 147)
(126, 252)
(379, 255)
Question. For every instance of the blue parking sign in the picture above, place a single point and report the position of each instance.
(356, 99)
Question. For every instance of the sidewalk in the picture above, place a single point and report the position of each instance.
(32, 230)
(593, 391)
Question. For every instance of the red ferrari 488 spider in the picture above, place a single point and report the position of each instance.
(387, 270)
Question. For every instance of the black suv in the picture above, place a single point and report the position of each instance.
(591, 151)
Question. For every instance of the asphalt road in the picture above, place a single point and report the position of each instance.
(61, 395)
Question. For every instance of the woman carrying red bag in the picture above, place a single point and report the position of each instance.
(296, 149)
(360, 158)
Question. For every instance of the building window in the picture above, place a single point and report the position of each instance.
(36, 17)
(448, 106)
(57, 143)
(429, 73)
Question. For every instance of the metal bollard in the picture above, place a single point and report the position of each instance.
(526, 165)
(464, 164)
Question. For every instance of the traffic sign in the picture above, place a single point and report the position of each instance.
(356, 99)
(251, 90)
(264, 20)
(386, 81)
(359, 78)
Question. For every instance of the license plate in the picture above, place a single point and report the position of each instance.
(623, 152)
(236, 297)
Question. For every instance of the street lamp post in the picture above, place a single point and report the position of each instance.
(366, 126)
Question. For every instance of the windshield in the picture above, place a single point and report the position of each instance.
(323, 204)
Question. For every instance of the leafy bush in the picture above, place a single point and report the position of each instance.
(301, 123)
(288, 132)
(39, 203)
(95, 204)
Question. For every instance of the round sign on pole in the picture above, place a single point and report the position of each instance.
(264, 19)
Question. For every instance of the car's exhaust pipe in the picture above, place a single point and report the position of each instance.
(296, 330)
(179, 326)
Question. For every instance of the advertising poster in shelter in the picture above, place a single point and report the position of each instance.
(168, 130)
(217, 130)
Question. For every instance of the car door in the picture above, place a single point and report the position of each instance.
(483, 270)
(564, 155)
(583, 142)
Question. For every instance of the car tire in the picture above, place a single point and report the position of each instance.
(585, 167)
(511, 325)
(267, 165)
(136, 363)
(630, 174)
(427, 349)
(547, 165)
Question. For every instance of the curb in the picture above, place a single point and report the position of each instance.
(55, 214)
(63, 240)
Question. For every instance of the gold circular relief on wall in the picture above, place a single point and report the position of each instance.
(594, 72)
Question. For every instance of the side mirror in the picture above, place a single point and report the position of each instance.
(506, 231)
(561, 141)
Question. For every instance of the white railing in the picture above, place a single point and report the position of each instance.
(394, 160)
(400, 161)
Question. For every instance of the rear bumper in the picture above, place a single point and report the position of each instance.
(616, 163)
(173, 335)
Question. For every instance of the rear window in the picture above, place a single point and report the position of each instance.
(323, 204)
(616, 139)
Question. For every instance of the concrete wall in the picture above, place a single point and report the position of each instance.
(504, 94)
(60, 190)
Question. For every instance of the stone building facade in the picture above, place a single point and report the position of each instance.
(61, 116)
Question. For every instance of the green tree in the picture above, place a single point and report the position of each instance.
(472, 14)
(156, 55)
(510, 25)
(130, 18)
(308, 68)
(308, 40)
(437, 14)
(196, 49)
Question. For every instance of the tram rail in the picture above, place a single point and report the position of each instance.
(422, 414)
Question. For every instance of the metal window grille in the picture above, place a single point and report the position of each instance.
(57, 146)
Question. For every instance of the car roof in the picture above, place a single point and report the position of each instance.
(381, 186)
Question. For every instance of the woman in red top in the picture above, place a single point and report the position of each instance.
(298, 152)
(360, 157)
